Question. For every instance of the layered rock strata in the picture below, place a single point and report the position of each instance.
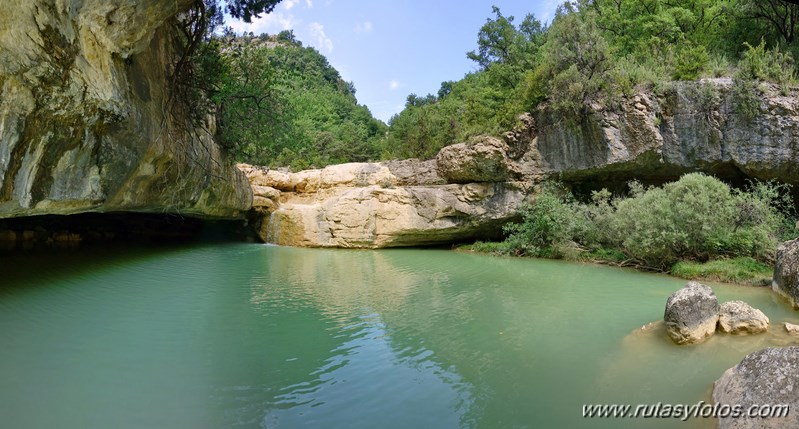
(85, 123)
(373, 205)
(691, 126)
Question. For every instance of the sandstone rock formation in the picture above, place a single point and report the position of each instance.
(372, 205)
(738, 317)
(792, 328)
(767, 377)
(786, 271)
(691, 314)
(84, 123)
(694, 126)
(484, 160)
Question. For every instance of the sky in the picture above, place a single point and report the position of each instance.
(390, 49)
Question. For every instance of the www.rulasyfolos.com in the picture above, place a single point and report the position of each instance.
(684, 411)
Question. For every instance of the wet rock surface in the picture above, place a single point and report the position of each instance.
(691, 314)
(786, 271)
(738, 317)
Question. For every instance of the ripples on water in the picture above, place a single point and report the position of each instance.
(263, 336)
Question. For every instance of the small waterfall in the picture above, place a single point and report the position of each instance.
(273, 228)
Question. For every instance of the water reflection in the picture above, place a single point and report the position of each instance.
(259, 336)
(367, 374)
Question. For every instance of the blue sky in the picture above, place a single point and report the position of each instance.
(390, 49)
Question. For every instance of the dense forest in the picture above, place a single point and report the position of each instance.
(282, 104)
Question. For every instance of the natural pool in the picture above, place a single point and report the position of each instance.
(244, 335)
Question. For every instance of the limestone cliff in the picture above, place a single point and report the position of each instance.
(694, 126)
(83, 123)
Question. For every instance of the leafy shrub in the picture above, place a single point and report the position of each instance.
(691, 62)
(764, 64)
(695, 218)
(746, 95)
(546, 223)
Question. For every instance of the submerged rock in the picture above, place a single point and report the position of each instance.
(691, 314)
(791, 328)
(786, 271)
(769, 377)
(738, 317)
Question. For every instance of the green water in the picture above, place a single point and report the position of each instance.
(255, 336)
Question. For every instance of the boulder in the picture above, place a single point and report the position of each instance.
(691, 314)
(483, 160)
(769, 377)
(791, 328)
(738, 317)
(786, 271)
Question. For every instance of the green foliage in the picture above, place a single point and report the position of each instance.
(546, 223)
(484, 102)
(576, 61)
(246, 10)
(760, 64)
(736, 270)
(691, 62)
(695, 218)
(763, 64)
(746, 94)
(491, 247)
(282, 104)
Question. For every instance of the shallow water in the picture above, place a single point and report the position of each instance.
(243, 335)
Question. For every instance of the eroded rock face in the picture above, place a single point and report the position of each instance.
(83, 127)
(691, 314)
(786, 271)
(361, 205)
(738, 317)
(695, 126)
(484, 160)
(766, 377)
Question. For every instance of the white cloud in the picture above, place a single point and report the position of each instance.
(318, 33)
(271, 23)
(308, 4)
(364, 27)
(288, 4)
(393, 84)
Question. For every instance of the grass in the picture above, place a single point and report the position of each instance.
(738, 270)
(742, 270)
(490, 247)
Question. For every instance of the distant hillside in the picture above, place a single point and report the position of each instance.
(282, 104)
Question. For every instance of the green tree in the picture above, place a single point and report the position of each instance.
(576, 61)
